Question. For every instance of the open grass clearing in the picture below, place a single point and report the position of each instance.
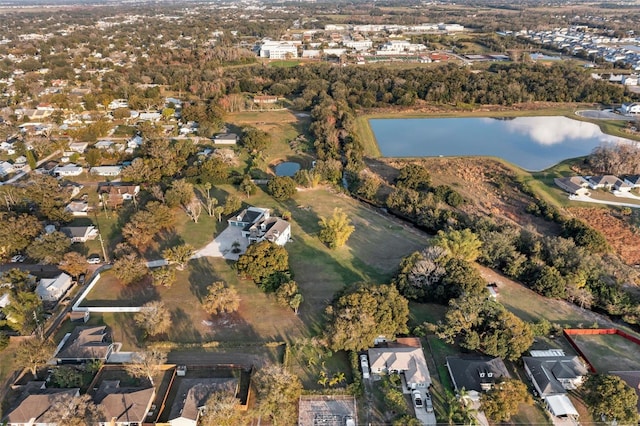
(609, 352)
(371, 255)
(190, 323)
(530, 306)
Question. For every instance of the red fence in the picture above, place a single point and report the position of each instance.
(568, 332)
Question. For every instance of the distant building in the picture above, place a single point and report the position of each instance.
(278, 50)
(226, 138)
(106, 170)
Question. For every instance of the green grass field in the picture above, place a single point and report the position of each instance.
(609, 352)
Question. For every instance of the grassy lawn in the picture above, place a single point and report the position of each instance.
(609, 352)
(530, 306)
(190, 324)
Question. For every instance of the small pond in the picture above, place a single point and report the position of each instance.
(533, 143)
(288, 168)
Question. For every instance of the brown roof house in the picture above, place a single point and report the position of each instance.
(84, 343)
(192, 396)
(34, 405)
(123, 406)
(404, 357)
(116, 194)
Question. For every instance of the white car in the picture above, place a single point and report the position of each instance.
(428, 402)
(364, 364)
(18, 258)
(417, 399)
(93, 260)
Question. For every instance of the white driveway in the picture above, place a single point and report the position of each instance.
(587, 199)
(222, 245)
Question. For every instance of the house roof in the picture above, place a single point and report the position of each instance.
(77, 231)
(573, 183)
(54, 285)
(407, 359)
(226, 136)
(250, 215)
(77, 206)
(607, 180)
(123, 404)
(473, 371)
(117, 189)
(561, 406)
(86, 343)
(193, 394)
(274, 228)
(35, 404)
(547, 371)
(633, 179)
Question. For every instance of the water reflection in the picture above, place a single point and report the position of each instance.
(533, 143)
(554, 130)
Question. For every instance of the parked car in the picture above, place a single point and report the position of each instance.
(417, 399)
(348, 421)
(364, 364)
(428, 403)
(93, 260)
(18, 258)
(81, 279)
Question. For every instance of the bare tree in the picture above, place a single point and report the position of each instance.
(76, 411)
(154, 318)
(34, 353)
(146, 364)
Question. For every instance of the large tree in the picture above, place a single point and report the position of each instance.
(262, 260)
(278, 391)
(74, 264)
(24, 312)
(130, 268)
(221, 299)
(413, 176)
(611, 399)
(502, 401)
(154, 318)
(76, 411)
(479, 323)
(281, 188)
(463, 244)
(254, 140)
(335, 230)
(17, 232)
(49, 248)
(221, 410)
(146, 363)
(179, 254)
(34, 353)
(365, 313)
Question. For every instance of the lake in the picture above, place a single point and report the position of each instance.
(533, 143)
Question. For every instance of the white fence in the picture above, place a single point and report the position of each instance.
(77, 308)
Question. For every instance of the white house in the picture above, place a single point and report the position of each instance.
(404, 357)
(52, 289)
(67, 170)
(632, 108)
(278, 50)
(118, 103)
(225, 139)
(258, 225)
(6, 168)
(106, 144)
(78, 147)
(80, 234)
(106, 170)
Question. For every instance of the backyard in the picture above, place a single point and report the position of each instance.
(609, 352)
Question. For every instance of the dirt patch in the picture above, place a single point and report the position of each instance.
(621, 236)
(490, 186)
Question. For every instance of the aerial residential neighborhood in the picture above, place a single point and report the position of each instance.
(319, 213)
